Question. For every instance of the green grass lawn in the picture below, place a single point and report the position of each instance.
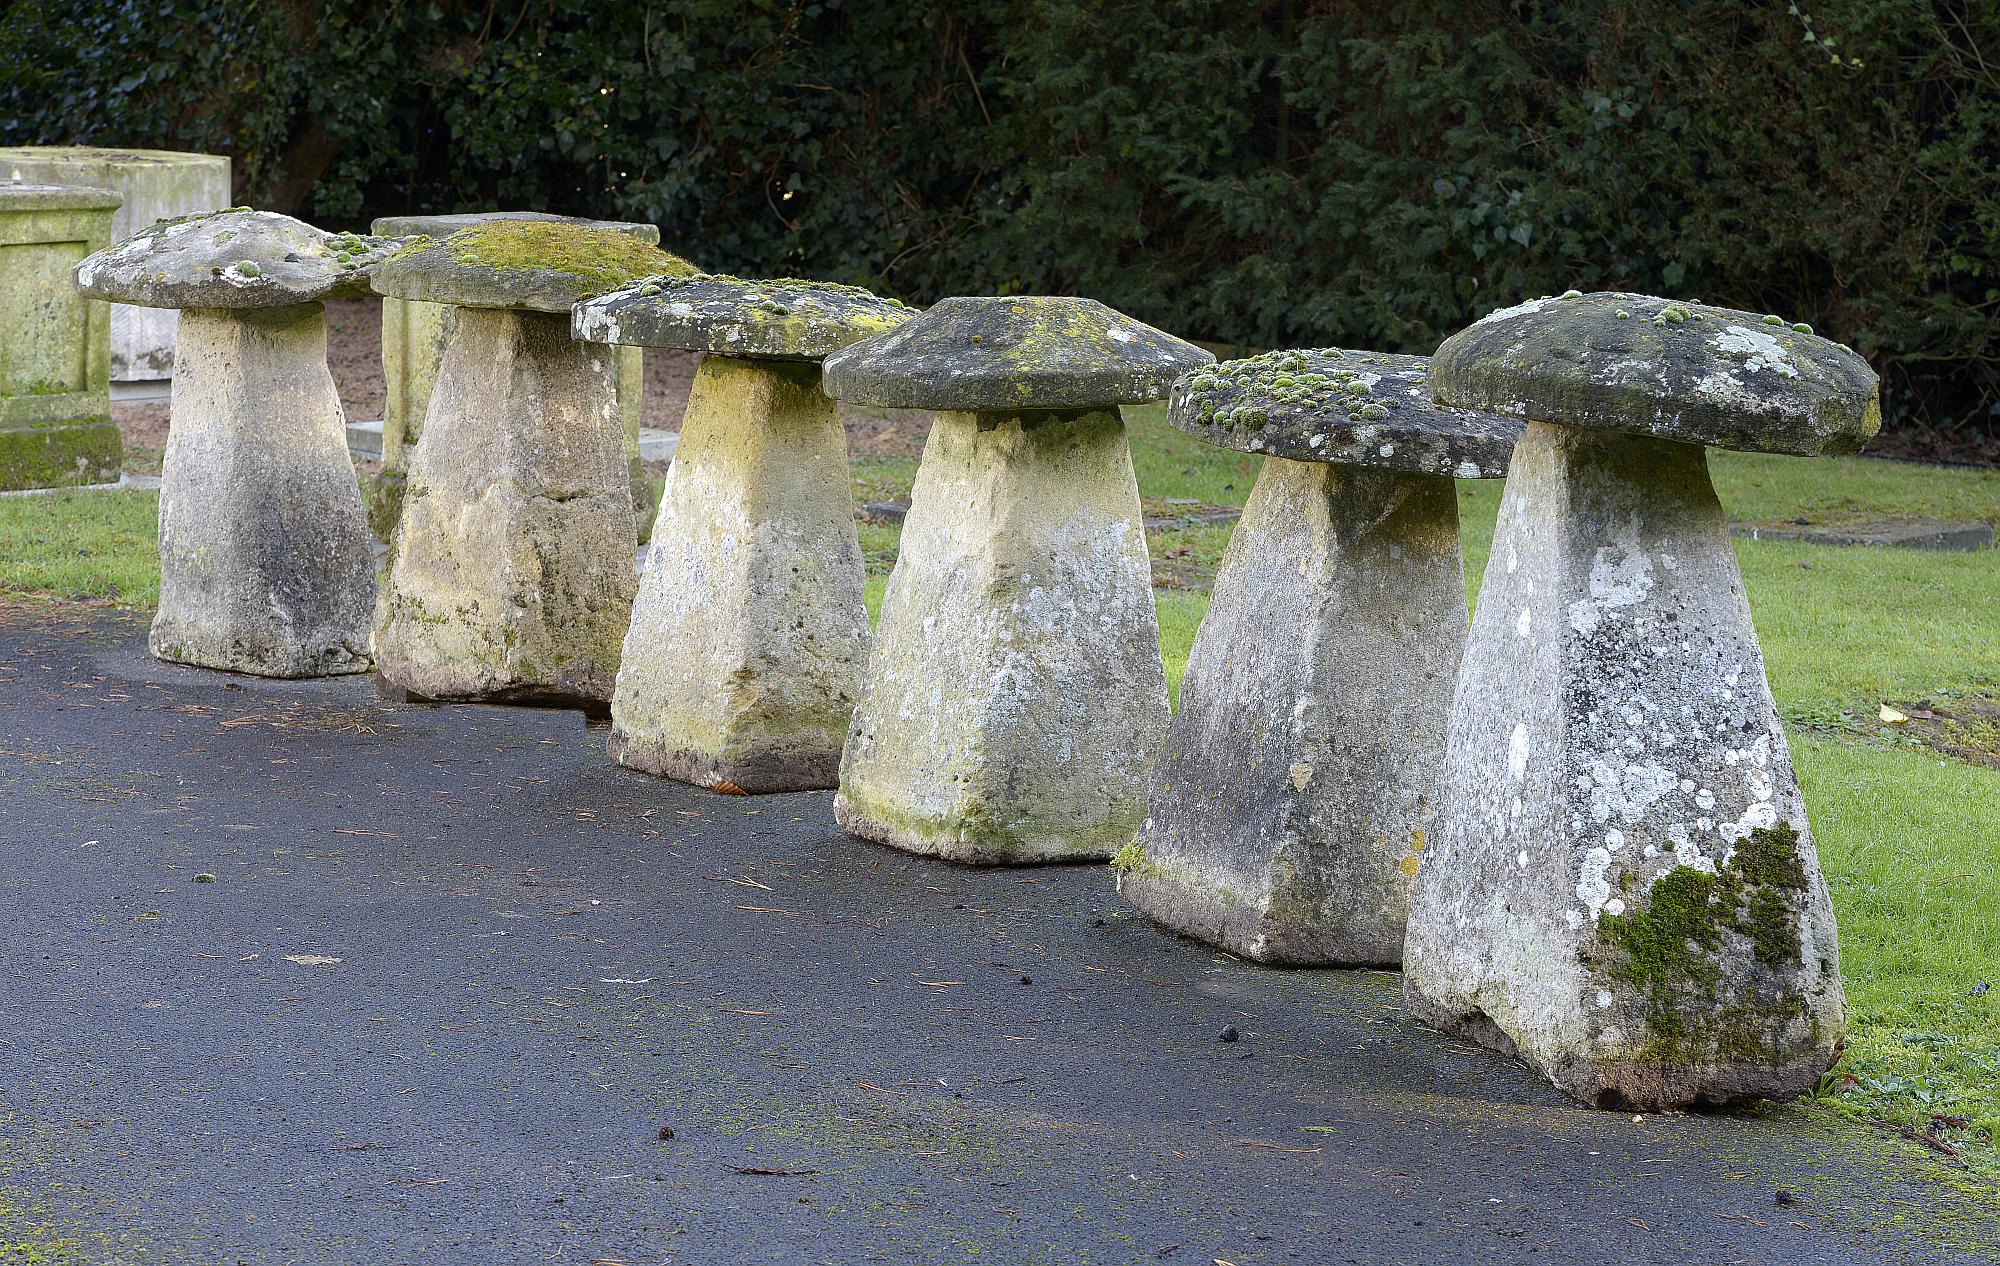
(1909, 839)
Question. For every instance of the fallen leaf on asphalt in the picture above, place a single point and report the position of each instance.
(775, 1173)
(1276, 1147)
(313, 960)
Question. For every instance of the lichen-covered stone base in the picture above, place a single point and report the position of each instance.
(749, 636)
(1288, 813)
(60, 454)
(511, 573)
(264, 558)
(1622, 887)
(1015, 695)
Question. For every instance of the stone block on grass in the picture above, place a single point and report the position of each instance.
(55, 408)
(152, 185)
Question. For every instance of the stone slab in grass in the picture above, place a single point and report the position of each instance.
(1930, 534)
(55, 408)
(152, 185)
(1622, 888)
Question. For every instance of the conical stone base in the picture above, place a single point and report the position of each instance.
(1294, 799)
(511, 577)
(1015, 694)
(749, 636)
(1622, 888)
(265, 564)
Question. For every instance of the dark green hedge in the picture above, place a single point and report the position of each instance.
(1261, 172)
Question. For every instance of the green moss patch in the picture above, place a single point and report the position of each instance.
(1670, 948)
(600, 258)
(62, 455)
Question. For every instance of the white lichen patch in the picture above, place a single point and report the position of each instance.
(1519, 309)
(1760, 350)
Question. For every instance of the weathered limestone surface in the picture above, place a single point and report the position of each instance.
(1622, 887)
(1015, 696)
(1298, 787)
(511, 574)
(265, 564)
(749, 637)
(153, 185)
(786, 318)
(1333, 404)
(1679, 371)
(236, 258)
(55, 410)
(415, 334)
(1020, 352)
(529, 265)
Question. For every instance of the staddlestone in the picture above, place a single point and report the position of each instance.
(783, 319)
(265, 559)
(1622, 888)
(236, 258)
(1026, 352)
(528, 265)
(1334, 405)
(1292, 805)
(1677, 371)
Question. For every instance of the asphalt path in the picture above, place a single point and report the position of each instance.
(461, 991)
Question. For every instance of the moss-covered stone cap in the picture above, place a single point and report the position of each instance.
(21, 196)
(782, 319)
(537, 265)
(1343, 407)
(236, 258)
(1031, 352)
(1678, 371)
(446, 225)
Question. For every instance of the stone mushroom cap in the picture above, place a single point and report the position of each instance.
(537, 265)
(783, 319)
(1027, 352)
(446, 225)
(1676, 371)
(1343, 407)
(237, 258)
(27, 196)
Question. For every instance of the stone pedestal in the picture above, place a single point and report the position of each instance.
(1622, 887)
(265, 565)
(55, 411)
(155, 185)
(1298, 788)
(1015, 695)
(415, 335)
(511, 577)
(749, 636)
